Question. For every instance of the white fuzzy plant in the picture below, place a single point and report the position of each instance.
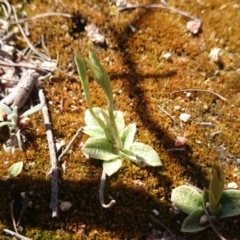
(110, 139)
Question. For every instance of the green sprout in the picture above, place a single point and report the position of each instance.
(110, 140)
(13, 124)
(204, 206)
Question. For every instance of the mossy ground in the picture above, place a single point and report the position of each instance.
(141, 79)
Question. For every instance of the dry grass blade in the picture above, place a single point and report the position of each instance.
(199, 90)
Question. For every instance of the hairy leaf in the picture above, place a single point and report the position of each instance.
(127, 136)
(110, 167)
(145, 154)
(15, 169)
(186, 198)
(192, 222)
(99, 148)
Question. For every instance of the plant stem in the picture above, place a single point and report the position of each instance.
(101, 192)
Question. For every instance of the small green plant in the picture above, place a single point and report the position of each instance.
(110, 140)
(13, 124)
(205, 206)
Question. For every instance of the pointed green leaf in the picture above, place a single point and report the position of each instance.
(127, 135)
(216, 184)
(99, 148)
(81, 67)
(145, 154)
(32, 110)
(5, 108)
(230, 202)
(192, 222)
(214, 206)
(110, 167)
(186, 198)
(15, 169)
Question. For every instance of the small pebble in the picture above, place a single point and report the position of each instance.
(155, 212)
(232, 185)
(185, 117)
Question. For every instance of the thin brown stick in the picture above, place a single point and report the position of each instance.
(42, 15)
(22, 65)
(172, 9)
(20, 94)
(162, 225)
(70, 143)
(13, 234)
(167, 113)
(199, 90)
(53, 156)
(210, 221)
(44, 57)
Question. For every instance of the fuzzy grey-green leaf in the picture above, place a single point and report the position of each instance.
(230, 202)
(146, 154)
(110, 167)
(186, 198)
(192, 222)
(15, 169)
(127, 135)
(99, 148)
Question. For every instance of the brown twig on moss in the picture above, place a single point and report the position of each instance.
(172, 9)
(13, 234)
(42, 15)
(20, 94)
(101, 192)
(22, 65)
(44, 57)
(199, 90)
(70, 144)
(212, 226)
(162, 225)
(167, 113)
(53, 156)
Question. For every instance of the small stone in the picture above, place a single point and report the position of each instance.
(65, 206)
(214, 55)
(203, 220)
(194, 26)
(180, 141)
(185, 117)
(155, 212)
(232, 185)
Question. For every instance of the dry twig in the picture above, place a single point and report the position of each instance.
(167, 113)
(172, 9)
(162, 225)
(16, 235)
(21, 92)
(53, 156)
(70, 143)
(199, 90)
